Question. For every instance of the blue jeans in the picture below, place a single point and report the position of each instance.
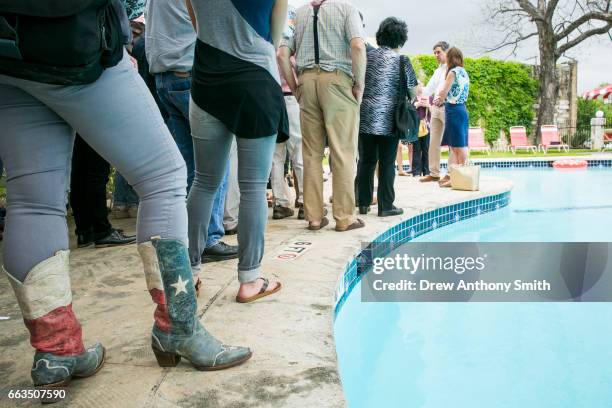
(174, 93)
(123, 193)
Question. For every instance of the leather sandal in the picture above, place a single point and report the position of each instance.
(358, 223)
(262, 292)
(198, 287)
(324, 223)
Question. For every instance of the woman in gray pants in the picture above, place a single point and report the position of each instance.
(236, 93)
(117, 116)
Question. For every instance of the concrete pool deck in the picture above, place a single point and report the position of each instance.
(294, 362)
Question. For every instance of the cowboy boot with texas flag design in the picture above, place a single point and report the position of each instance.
(177, 332)
(45, 299)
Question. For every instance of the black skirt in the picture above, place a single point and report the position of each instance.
(242, 95)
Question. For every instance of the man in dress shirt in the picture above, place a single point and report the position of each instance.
(432, 90)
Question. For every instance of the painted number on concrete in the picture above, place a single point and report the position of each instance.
(293, 251)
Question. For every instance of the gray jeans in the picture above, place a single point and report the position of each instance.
(232, 199)
(117, 117)
(212, 142)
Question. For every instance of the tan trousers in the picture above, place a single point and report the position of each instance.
(436, 132)
(328, 108)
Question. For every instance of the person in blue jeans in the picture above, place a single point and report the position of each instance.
(170, 43)
(125, 199)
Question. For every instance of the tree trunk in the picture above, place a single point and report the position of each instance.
(549, 85)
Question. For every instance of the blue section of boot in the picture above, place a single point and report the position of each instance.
(201, 348)
(88, 362)
(175, 270)
(49, 368)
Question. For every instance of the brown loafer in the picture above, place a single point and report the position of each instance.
(358, 223)
(429, 179)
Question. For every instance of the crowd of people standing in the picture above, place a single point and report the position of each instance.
(230, 88)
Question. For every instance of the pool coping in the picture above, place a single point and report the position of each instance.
(529, 162)
(410, 228)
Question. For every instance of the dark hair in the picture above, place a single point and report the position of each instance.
(454, 58)
(442, 44)
(392, 33)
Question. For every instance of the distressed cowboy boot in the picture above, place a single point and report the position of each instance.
(45, 299)
(177, 332)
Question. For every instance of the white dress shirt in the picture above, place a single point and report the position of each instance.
(436, 82)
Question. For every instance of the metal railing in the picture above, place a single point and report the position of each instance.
(576, 137)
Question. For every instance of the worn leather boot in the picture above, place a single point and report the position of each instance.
(45, 299)
(177, 333)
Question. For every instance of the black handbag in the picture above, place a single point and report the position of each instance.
(406, 117)
(62, 42)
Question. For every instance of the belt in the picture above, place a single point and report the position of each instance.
(181, 74)
(287, 94)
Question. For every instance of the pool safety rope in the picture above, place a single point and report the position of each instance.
(570, 164)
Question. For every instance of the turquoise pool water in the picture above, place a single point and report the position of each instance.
(440, 355)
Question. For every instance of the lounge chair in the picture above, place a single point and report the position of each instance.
(551, 139)
(476, 140)
(607, 140)
(518, 140)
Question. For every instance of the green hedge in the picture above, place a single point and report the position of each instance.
(587, 110)
(502, 94)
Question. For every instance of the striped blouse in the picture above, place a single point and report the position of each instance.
(382, 91)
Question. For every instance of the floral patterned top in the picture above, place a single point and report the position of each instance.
(460, 89)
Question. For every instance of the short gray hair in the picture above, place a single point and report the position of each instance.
(442, 44)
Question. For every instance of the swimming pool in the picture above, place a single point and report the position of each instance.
(491, 354)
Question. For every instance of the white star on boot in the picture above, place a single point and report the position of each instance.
(180, 286)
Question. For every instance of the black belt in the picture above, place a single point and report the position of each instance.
(287, 94)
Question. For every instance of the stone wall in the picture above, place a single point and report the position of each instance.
(566, 112)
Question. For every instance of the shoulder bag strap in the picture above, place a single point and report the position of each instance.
(403, 84)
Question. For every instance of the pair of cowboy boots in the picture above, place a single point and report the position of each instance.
(45, 299)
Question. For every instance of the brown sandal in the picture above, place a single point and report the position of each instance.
(262, 292)
(358, 223)
(324, 223)
(198, 287)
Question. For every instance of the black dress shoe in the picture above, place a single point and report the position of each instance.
(390, 213)
(301, 213)
(220, 252)
(280, 212)
(364, 210)
(85, 239)
(116, 237)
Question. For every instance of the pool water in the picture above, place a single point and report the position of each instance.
(440, 355)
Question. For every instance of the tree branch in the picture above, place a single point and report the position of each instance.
(531, 10)
(585, 18)
(507, 42)
(570, 44)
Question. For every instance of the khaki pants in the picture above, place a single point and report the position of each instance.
(436, 132)
(328, 108)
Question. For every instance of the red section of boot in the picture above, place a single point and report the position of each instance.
(58, 332)
(162, 319)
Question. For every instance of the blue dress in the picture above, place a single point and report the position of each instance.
(457, 119)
